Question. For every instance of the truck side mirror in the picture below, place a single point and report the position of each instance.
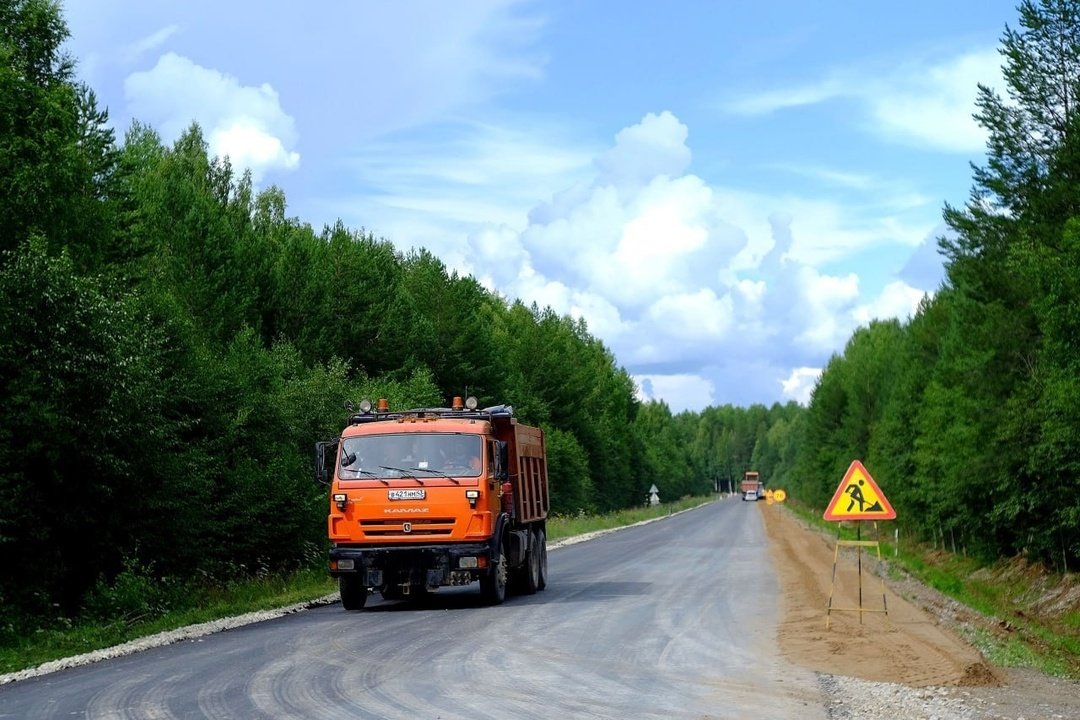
(324, 450)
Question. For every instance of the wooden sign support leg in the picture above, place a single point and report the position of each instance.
(832, 584)
(858, 536)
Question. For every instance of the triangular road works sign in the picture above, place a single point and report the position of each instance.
(859, 498)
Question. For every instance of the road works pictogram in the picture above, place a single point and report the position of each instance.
(859, 498)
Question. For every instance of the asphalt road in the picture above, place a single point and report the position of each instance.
(672, 619)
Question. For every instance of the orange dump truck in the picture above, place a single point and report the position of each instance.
(431, 497)
(751, 487)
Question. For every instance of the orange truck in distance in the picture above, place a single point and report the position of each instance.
(433, 497)
(751, 488)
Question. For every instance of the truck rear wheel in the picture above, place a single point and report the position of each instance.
(541, 561)
(530, 572)
(493, 585)
(353, 592)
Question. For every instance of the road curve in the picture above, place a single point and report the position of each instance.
(671, 619)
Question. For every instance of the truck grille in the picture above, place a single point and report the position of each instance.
(420, 527)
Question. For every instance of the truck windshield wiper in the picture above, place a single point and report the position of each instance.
(380, 478)
(368, 473)
(404, 472)
(440, 473)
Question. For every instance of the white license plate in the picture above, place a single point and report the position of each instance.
(406, 494)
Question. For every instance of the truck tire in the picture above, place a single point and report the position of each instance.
(353, 592)
(493, 585)
(541, 559)
(530, 571)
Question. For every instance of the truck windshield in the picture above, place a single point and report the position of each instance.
(397, 455)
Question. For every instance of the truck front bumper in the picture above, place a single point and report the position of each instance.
(427, 565)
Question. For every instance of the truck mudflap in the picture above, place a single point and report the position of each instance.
(418, 565)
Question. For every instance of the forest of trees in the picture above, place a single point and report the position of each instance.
(968, 416)
(172, 344)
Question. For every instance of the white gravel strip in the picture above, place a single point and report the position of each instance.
(855, 699)
(575, 539)
(168, 637)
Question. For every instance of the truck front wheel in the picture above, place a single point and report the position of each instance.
(493, 585)
(353, 592)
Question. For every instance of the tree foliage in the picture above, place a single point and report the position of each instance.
(969, 413)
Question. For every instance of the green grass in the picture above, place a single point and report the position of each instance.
(64, 638)
(1010, 652)
(60, 638)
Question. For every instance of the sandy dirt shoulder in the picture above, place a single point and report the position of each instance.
(916, 644)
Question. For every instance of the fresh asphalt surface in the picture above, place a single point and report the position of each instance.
(671, 619)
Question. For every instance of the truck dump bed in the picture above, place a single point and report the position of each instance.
(528, 472)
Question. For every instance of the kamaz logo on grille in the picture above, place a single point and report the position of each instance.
(406, 527)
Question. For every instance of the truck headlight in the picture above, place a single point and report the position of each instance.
(467, 563)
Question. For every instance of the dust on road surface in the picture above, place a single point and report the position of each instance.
(910, 645)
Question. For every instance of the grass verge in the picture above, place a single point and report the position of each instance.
(63, 637)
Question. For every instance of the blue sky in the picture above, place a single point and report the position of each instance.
(725, 191)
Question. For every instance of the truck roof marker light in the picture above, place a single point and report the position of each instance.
(457, 403)
(384, 405)
(470, 402)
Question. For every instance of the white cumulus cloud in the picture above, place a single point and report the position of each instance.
(655, 146)
(799, 385)
(249, 145)
(679, 391)
(825, 299)
(708, 293)
(699, 316)
(247, 123)
(678, 276)
(897, 300)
